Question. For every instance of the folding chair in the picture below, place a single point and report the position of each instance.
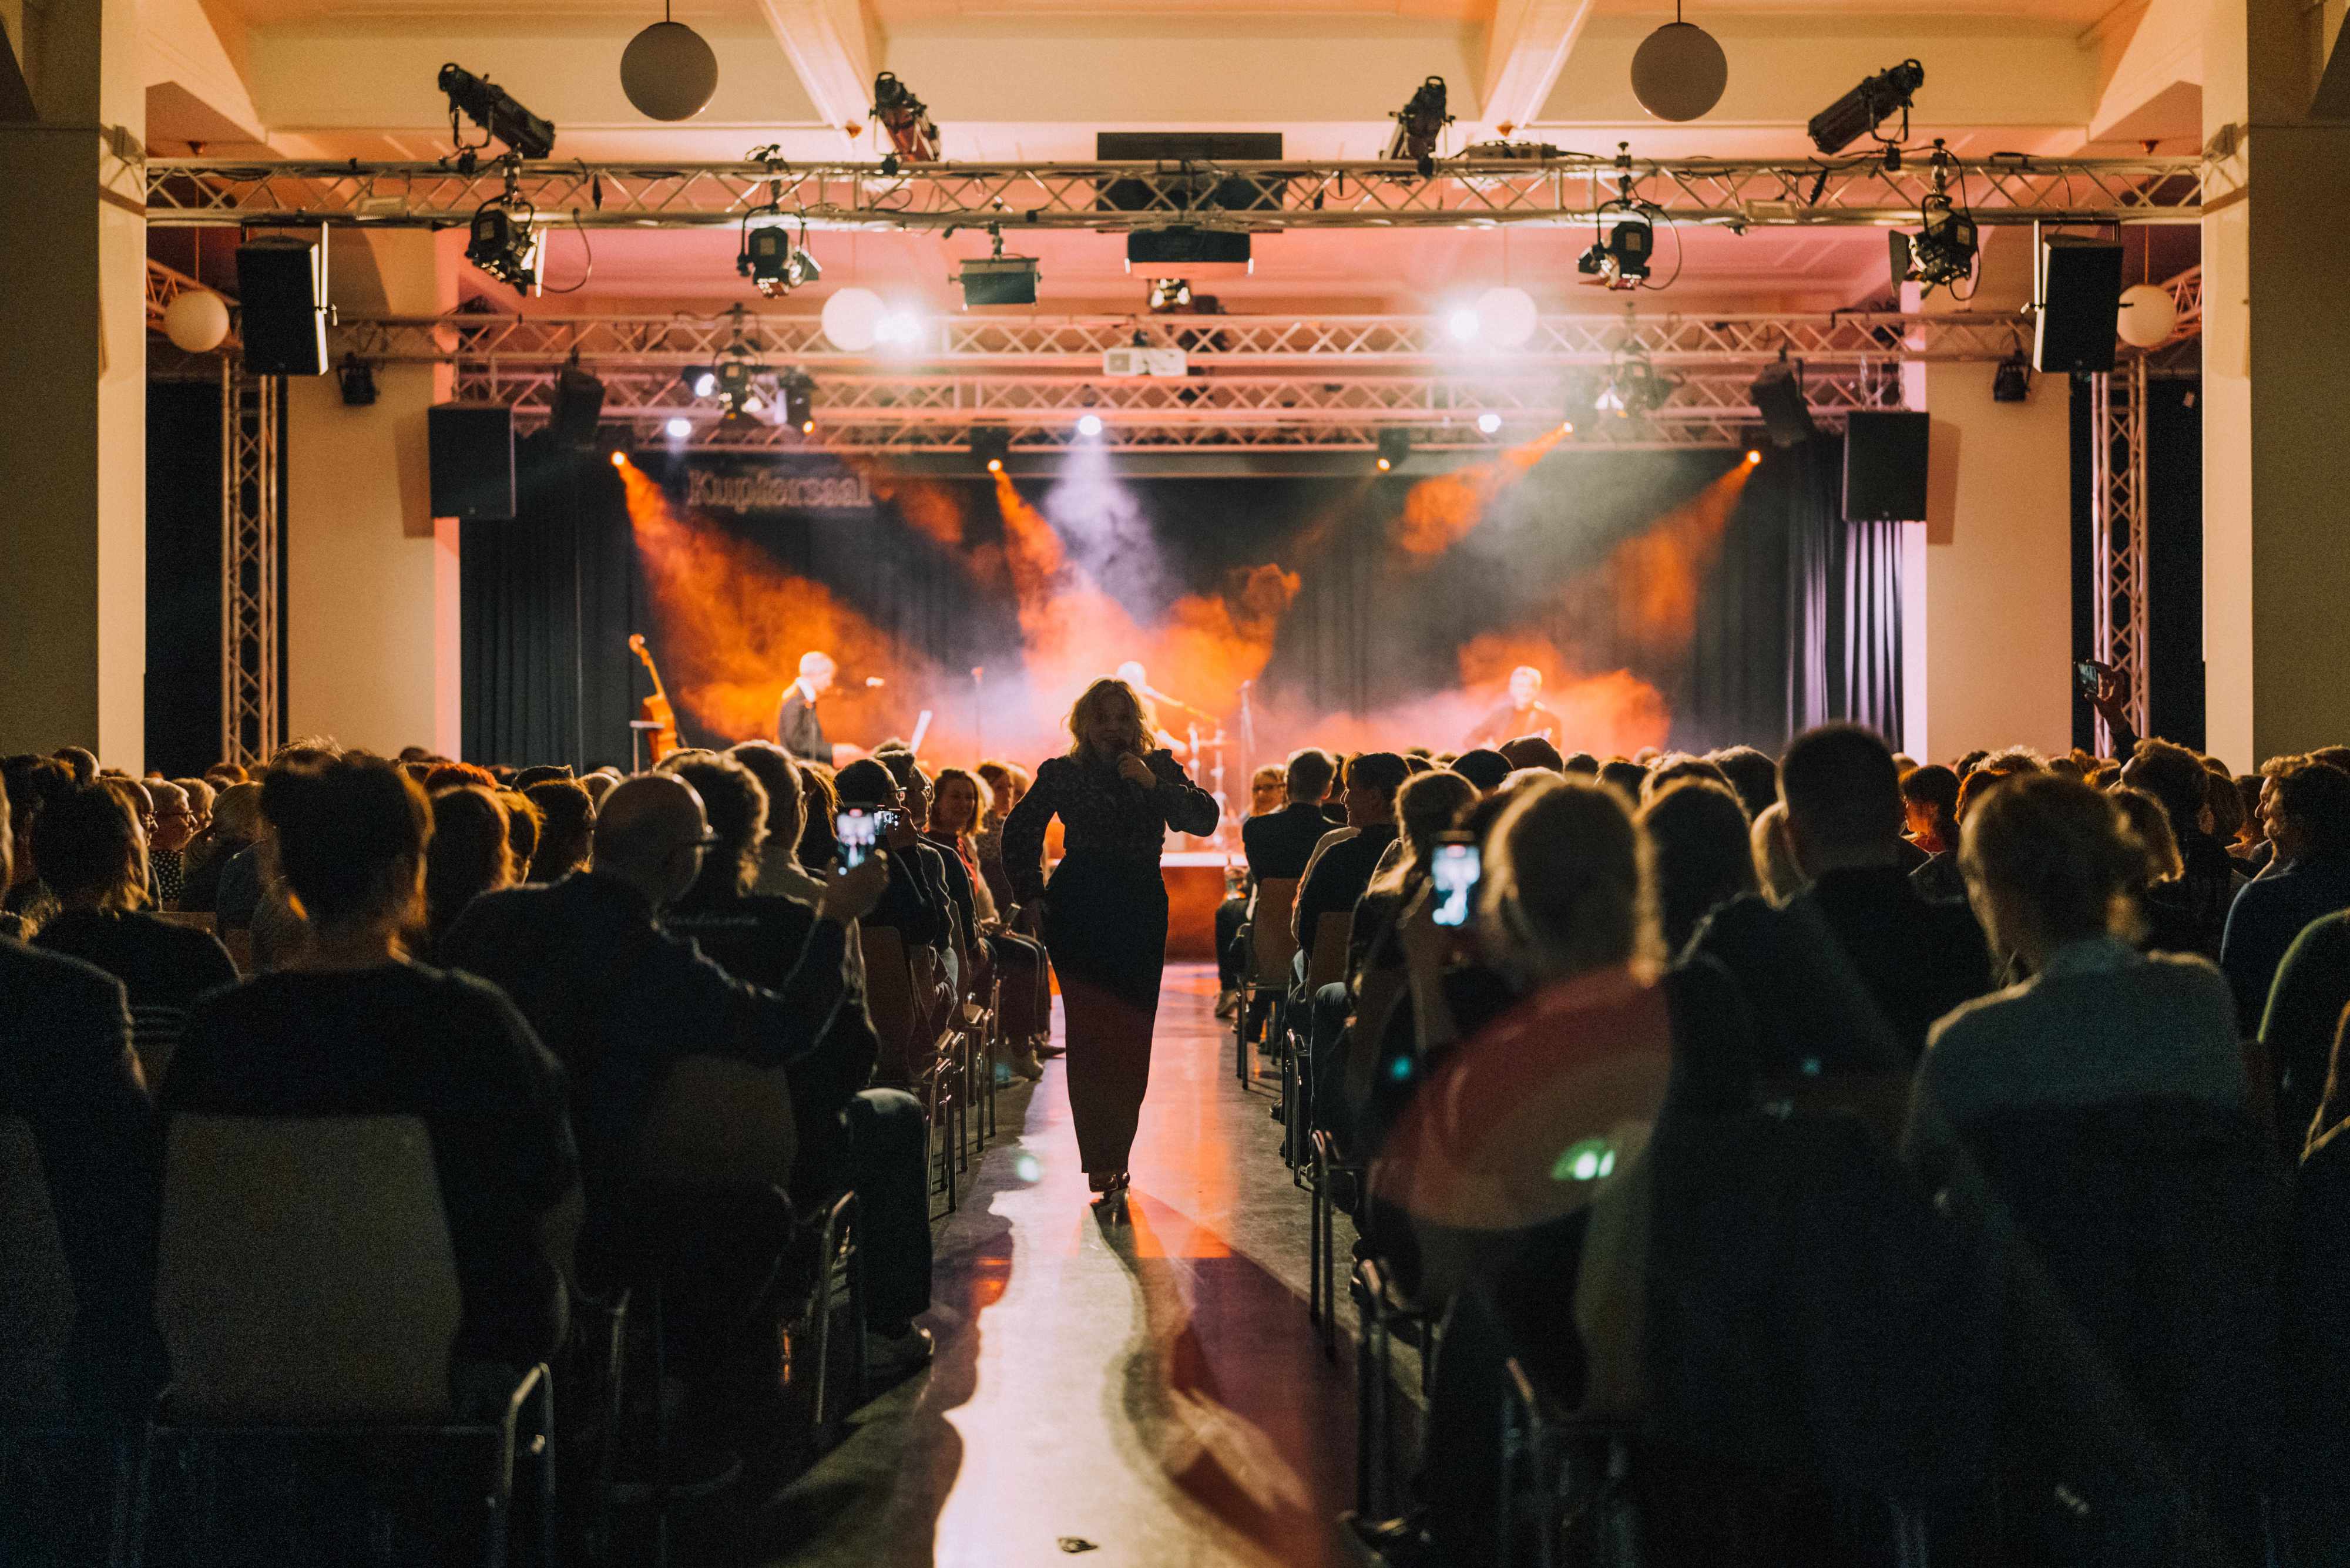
(307, 1296)
(1326, 965)
(1270, 946)
(906, 1057)
(52, 1460)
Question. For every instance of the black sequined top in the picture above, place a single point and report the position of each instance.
(1101, 812)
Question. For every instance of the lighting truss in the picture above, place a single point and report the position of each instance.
(2118, 508)
(165, 284)
(250, 728)
(1240, 195)
(1266, 342)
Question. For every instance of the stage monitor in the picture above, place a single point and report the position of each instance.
(1885, 467)
(1164, 252)
(281, 307)
(472, 449)
(2080, 304)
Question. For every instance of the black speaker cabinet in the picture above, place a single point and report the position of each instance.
(473, 460)
(1885, 467)
(282, 311)
(2080, 300)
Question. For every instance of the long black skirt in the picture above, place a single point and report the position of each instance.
(1106, 928)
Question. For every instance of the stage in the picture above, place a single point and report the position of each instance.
(1195, 886)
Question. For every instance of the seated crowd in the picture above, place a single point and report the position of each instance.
(519, 960)
(1952, 1142)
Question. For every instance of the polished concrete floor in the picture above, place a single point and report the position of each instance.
(1135, 1392)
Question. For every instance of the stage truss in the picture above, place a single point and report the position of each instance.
(249, 724)
(1257, 196)
(2117, 518)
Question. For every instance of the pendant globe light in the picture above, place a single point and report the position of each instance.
(197, 321)
(669, 70)
(1679, 71)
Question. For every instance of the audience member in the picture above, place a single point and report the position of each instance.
(31, 782)
(1752, 774)
(1278, 844)
(1673, 768)
(1625, 776)
(1775, 871)
(913, 904)
(523, 825)
(1583, 763)
(93, 859)
(352, 1027)
(470, 854)
(1484, 768)
(236, 826)
(1697, 831)
(81, 760)
(1929, 802)
(818, 850)
(1532, 751)
(1343, 866)
(67, 1070)
(2306, 814)
(567, 825)
(2166, 921)
(167, 842)
(2298, 1034)
(2175, 777)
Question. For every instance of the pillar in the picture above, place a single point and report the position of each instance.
(2276, 378)
(73, 393)
(1997, 551)
(370, 591)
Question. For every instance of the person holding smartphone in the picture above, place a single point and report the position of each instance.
(1104, 916)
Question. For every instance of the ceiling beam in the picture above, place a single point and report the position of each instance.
(2164, 50)
(1524, 51)
(828, 43)
(179, 43)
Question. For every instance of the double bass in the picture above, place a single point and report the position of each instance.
(658, 713)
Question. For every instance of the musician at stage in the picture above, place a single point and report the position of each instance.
(1522, 714)
(798, 729)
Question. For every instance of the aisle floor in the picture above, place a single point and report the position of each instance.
(1150, 1388)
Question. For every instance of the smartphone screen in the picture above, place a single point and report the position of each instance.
(886, 820)
(2085, 675)
(857, 831)
(1456, 872)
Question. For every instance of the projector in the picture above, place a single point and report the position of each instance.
(1145, 362)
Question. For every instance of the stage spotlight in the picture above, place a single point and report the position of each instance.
(504, 245)
(1089, 426)
(620, 460)
(998, 279)
(2011, 382)
(1488, 422)
(797, 393)
(1419, 125)
(770, 261)
(990, 446)
(357, 377)
(700, 379)
(493, 108)
(898, 328)
(679, 427)
(1462, 324)
(1754, 456)
(1621, 260)
(1168, 294)
(1860, 111)
(1778, 395)
(907, 120)
(1394, 446)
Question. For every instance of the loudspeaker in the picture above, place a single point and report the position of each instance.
(473, 461)
(578, 405)
(1885, 467)
(1159, 248)
(1778, 394)
(2080, 300)
(283, 307)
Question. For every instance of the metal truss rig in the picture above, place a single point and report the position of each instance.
(1727, 192)
(249, 589)
(1339, 344)
(2118, 516)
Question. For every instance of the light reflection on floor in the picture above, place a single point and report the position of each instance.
(1149, 1386)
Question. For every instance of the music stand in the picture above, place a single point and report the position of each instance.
(636, 728)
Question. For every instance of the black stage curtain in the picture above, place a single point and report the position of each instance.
(1793, 618)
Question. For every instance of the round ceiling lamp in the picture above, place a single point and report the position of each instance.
(2148, 316)
(852, 319)
(197, 321)
(1505, 317)
(1679, 71)
(668, 71)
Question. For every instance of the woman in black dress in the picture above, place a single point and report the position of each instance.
(1105, 916)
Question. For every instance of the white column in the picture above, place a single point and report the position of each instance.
(2276, 376)
(73, 393)
(372, 605)
(1998, 542)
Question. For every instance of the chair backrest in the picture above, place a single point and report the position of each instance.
(36, 1295)
(890, 999)
(1881, 1100)
(304, 1269)
(1270, 945)
(238, 941)
(194, 919)
(1326, 964)
(721, 1123)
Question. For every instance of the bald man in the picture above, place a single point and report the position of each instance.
(797, 729)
